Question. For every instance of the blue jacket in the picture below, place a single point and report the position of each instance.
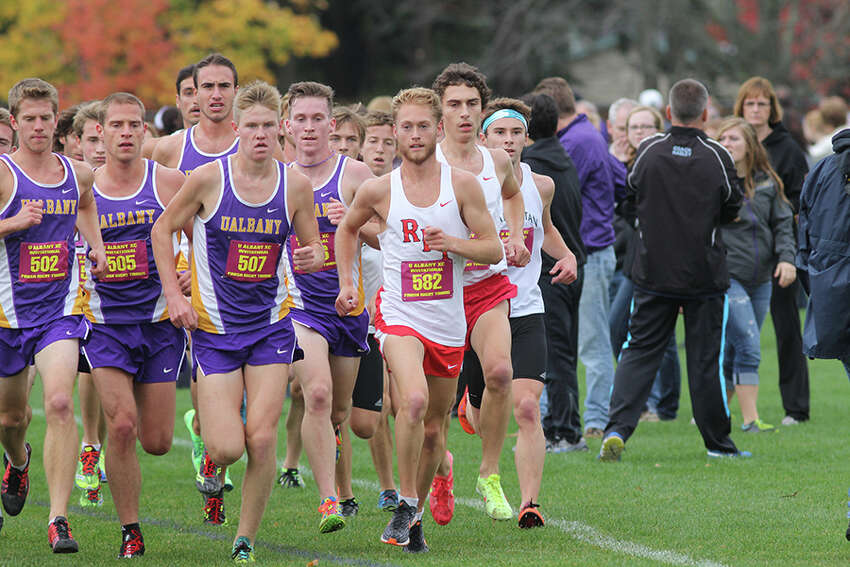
(824, 252)
(601, 176)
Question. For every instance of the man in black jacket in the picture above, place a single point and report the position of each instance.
(546, 156)
(685, 185)
(758, 104)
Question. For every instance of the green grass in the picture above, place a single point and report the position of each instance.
(664, 504)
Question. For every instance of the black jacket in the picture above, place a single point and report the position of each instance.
(788, 160)
(686, 186)
(547, 157)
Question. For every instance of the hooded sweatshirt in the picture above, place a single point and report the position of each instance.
(788, 160)
(547, 157)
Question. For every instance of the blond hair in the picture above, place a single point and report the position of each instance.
(257, 92)
(118, 98)
(89, 111)
(418, 95)
(310, 89)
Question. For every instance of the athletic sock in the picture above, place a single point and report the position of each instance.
(412, 502)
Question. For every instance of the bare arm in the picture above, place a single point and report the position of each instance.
(167, 150)
(188, 202)
(30, 213)
(310, 255)
(565, 269)
(513, 209)
(87, 221)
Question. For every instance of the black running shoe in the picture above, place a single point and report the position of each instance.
(15, 486)
(290, 478)
(132, 543)
(416, 544)
(214, 509)
(59, 536)
(349, 508)
(397, 531)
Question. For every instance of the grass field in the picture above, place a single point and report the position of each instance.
(664, 504)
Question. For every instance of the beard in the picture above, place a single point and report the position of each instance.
(419, 157)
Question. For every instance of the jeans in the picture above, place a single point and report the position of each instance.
(748, 305)
(664, 397)
(594, 336)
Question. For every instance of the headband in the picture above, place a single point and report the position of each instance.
(504, 113)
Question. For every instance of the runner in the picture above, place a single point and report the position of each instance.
(349, 132)
(463, 93)
(333, 345)
(216, 81)
(134, 351)
(506, 126)
(187, 106)
(85, 129)
(244, 207)
(7, 133)
(424, 247)
(43, 196)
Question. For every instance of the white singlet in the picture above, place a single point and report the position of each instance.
(528, 299)
(422, 289)
(489, 182)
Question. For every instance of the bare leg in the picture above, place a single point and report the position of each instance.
(441, 396)
(14, 392)
(293, 425)
(747, 397)
(531, 445)
(381, 443)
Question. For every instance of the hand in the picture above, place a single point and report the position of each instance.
(30, 214)
(182, 314)
(565, 270)
(347, 300)
(307, 258)
(98, 261)
(336, 210)
(621, 149)
(786, 273)
(184, 279)
(436, 239)
(515, 252)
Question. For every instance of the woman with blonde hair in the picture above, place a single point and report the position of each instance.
(760, 246)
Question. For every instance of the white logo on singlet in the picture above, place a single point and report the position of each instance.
(452, 366)
(270, 211)
(166, 370)
(68, 190)
(327, 194)
(141, 201)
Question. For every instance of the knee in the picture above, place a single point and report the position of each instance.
(59, 406)
(498, 375)
(413, 406)
(339, 414)
(224, 452)
(318, 399)
(156, 442)
(123, 431)
(261, 443)
(14, 418)
(433, 435)
(365, 426)
(527, 411)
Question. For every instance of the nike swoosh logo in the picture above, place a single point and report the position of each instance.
(166, 370)
(141, 202)
(452, 366)
(69, 333)
(327, 194)
(282, 351)
(270, 211)
(446, 203)
(68, 190)
(487, 178)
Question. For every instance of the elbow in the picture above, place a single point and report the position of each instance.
(495, 253)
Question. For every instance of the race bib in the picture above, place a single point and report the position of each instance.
(43, 261)
(427, 280)
(251, 261)
(327, 240)
(125, 260)
(528, 237)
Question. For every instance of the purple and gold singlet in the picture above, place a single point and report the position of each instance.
(191, 157)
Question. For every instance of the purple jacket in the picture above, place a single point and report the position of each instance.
(602, 177)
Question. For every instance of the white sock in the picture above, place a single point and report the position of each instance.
(412, 502)
(96, 446)
(21, 468)
(418, 517)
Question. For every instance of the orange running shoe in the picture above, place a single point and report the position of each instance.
(461, 413)
(441, 499)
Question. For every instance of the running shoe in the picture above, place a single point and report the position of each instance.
(758, 426)
(207, 480)
(338, 438)
(416, 542)
(59, 536)
(132, 543)
(91, 498)
(530, 516)
(397, 531)
(388, 500)
(88, 471)
(332, 519)
(290, 478)
(735, 455)
(441, 498)
(461, 413)
(243, 551)
(214, 509)
(197, 441)
(349, 507)
(495, 503)
(612, 448)
(15, 486)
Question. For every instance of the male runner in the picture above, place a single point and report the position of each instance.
(187, 106)
(88, 477)
(7, 134)
(64, 141)
(425, 210)
(349, 132)
(43, 197)
(332, 344)
(216, 82)
(506, 126)
(463, 93)
(244, 206)
(134, 351)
